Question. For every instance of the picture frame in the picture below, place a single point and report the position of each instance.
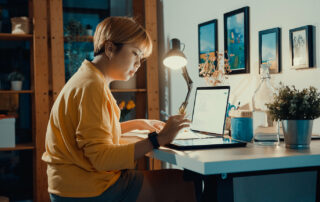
(270, 49)
(236, 40)
(207, 40)
(301, 47)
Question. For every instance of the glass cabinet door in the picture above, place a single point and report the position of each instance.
(80, 19)
(79, 23)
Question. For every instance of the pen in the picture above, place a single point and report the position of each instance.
(238, 105)
(168, 115)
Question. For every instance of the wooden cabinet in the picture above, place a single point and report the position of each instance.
(46, 77)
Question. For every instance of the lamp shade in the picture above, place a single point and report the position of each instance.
(175, 58)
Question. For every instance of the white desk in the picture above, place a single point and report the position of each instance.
(242, 159)
(216, 163)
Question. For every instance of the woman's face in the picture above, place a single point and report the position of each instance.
(125, 62)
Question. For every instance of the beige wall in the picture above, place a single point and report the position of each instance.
(180, 18)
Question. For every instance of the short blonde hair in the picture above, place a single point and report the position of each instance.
(121, 30)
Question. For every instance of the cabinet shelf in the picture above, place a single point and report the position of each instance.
(78, 39)
(15, 37)
(25, 146)
(127, 90)
(15, 91)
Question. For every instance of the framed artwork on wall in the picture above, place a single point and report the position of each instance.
(236, 40)
(270, 49)
(207, 42)
(301, 47)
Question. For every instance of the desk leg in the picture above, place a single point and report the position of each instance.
(197, 180)
(318, 186)
(217, 189)
(210, 192)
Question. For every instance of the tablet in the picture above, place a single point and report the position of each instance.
(205, 143)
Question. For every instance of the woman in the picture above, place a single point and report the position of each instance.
(85, 157)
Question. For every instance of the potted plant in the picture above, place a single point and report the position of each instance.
(74, 29)
(296, 109)
(16, 79)
(126, 109)
(89, 30)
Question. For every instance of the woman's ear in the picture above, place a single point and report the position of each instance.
(109, 49)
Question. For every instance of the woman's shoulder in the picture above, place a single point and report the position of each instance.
(92, 87)
(87, 80)
(78, 87)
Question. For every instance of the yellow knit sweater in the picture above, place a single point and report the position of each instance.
(83, 152)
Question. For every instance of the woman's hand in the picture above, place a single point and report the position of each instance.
(142, 124)
(172, 127)
(166, 135)
(153, 125)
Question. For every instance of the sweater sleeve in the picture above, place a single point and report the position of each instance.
(96, 130)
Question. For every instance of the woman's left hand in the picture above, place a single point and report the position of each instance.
(142, 124)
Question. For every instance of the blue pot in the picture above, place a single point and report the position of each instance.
(297, 133)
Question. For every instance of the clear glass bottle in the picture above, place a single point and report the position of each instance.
(265, 130)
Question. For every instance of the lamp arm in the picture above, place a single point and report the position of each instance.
(189, 84)
(186, 76)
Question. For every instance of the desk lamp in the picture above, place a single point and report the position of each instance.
(175, 59)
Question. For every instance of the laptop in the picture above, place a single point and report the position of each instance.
(208, 121)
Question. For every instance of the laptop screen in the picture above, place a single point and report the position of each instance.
(209, 111)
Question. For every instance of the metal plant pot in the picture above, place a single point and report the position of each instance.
(16, 85)
(297, 133)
